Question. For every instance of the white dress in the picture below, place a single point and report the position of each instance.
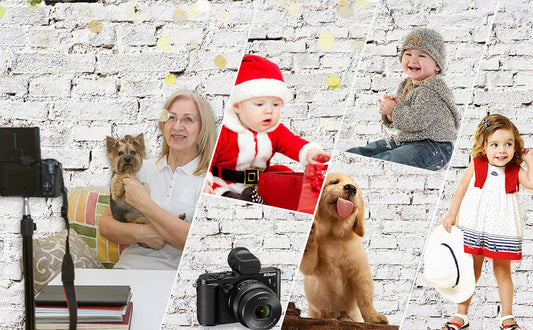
(491, 219)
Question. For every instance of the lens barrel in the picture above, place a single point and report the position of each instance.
(255, 305)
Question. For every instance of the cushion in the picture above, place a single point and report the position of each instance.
(48, 255)
(85, 206)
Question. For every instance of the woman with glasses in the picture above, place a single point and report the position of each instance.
(175, 180)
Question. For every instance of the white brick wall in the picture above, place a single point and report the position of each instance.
(464, 25)
(506, 56)
(79, 86)
(396, 223)
(275, 236)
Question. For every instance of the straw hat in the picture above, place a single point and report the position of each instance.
(447, 267)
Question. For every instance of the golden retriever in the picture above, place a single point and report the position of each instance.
(337, 276)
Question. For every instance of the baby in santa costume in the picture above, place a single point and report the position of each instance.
(251, 133)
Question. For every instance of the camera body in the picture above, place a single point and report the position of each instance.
(252, 299)
(22, 172)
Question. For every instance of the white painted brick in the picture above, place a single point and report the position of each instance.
(52, 63)
(50, 86)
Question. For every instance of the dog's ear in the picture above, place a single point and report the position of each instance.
(112, 146)
(359, 224)
(139, 141)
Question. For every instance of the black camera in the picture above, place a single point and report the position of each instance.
(249, 294)
(22, 172)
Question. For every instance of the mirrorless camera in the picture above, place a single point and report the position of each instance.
(249, 294)
(22, 171)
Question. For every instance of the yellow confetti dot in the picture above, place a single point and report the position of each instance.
(170, 79)
(344, 3)
(131, 10)
(296, 9)
(138, 17)
(326, 40)
(222, 16)
(164, 44)
(220, 61)
(193, 11)
(325, 124)
(361, 3)
(202, 5)
(34, 4)
(44, 43)
(358, 44)
(345, 12)
(286, 3)
(272, 50)
(192, 45)
(334, 82)
(2, 11)
(179, 16)
(95, 26)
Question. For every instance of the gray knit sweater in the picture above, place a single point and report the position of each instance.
(425, 111)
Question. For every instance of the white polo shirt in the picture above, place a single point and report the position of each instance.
(175, 192)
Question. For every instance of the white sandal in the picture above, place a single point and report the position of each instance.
(456, 326)
(512, 326)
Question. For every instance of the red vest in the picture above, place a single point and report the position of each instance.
(481, 167)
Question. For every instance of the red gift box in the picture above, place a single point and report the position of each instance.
(295, 191)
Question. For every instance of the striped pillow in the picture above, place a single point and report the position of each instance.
(85, 206)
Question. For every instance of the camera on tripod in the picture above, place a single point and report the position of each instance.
(249, 294)
(22, 171)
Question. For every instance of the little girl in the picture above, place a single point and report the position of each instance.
(486, 207)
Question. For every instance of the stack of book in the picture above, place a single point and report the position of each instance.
(99, 307)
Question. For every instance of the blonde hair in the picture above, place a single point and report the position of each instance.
(487, 127)
(205, 142)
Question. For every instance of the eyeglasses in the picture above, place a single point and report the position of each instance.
(185, 120)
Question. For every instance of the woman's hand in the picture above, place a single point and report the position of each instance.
(149, 236)
(448, 221)
(136, 194)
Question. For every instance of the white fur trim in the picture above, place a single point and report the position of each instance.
(224, 186)
(259, 87)
(302, 156)
(247, 156)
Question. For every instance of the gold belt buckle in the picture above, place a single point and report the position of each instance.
(251, 176)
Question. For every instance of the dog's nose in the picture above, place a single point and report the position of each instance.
(127, 159)
(350, 189)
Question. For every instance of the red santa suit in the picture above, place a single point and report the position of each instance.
(239, 147)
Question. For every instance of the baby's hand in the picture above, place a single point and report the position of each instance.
(316, 156)
(447, 222)
(387, 105)
(208, 189)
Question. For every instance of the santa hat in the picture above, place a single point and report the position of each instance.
(258, 77)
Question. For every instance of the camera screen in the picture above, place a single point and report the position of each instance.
(20, 145)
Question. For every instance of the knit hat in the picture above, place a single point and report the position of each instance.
(447, 267)
(258, 77)
(429, 41)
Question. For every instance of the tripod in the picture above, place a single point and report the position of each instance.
(27, 226)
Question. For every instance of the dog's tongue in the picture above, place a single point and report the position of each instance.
(344, 207)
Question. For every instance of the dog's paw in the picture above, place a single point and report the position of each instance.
(377, 318)
(344, 317)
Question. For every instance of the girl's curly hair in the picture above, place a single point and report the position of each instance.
(487, 127)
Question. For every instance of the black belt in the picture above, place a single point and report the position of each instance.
(248, 177)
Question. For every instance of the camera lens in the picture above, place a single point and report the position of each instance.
(255, 305)
(262, 312)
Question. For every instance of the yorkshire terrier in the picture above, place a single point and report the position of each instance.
(126, 158)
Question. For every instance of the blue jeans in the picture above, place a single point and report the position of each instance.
(426, 154)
